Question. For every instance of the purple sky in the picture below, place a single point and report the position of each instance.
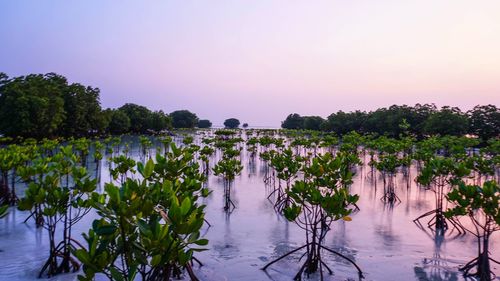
(260, 60)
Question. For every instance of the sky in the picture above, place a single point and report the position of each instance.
(260, 60)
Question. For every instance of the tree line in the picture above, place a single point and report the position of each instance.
(47, 106)
(419, 120)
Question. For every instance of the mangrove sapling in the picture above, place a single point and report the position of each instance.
(387, 164)
(482, 166)
(35, 173)
(481, 204)
(252, 147)
(329, 142)
(98, 155)
(205, 153)
(177, 164)
(286, 165)
(122, 166)
(317, 201)
(146, 145)
(266, 157)
(228, 169)
(129, 239)
(11, 157)
(439, 175)
(58, 202)
(82, 149)
(493, 152)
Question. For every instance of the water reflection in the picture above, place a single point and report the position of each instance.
(436, 268)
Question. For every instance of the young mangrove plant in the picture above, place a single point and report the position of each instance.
(316, 202)
(481, 204)
(11, 158)
(58, 194)
(149, 228)
(286, 165)
(439, 175)
(228, 168)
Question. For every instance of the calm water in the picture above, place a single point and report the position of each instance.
(382, 239)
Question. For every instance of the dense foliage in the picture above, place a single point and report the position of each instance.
(48, 106)
(232, 123)
(204, 124)
(419, 120)
(184, 119)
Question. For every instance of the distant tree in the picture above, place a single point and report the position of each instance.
(393, 121)
(447, 121)
(82, 108)
(204, 123)
(485, 121)
(245, 125)
(343, 123)
(313, 122)
(33, 105)
(160, 121)
(119, 123)
(293, 121)
(232, 123)
(421, 114)
(184, 119)
(387, 121)
(103, 120)
(140, 117)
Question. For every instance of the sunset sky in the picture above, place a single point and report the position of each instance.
(258, 61)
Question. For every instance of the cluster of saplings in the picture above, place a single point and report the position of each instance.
(150, 213)
(48, 106)
(420, 120)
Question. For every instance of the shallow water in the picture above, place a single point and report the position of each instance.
(382, 239)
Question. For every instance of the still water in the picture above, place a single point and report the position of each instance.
(381, 238)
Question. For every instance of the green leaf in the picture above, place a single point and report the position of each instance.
(148, 170)
(83, 256)
(201, 242)
(155, 260)
(105, 229)
(185, 206)
(117, 276)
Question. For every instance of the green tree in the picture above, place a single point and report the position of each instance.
(160, 121)
(139, 116)
(119, 123)
(204, 123)
(293, 121)
(343, 123)
(485, 121)
(313, 122)
(82, 111)
(232, 123)
(32, 106)
(184, 119)
(447, 121)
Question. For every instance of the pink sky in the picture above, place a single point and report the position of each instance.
(260, 60)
